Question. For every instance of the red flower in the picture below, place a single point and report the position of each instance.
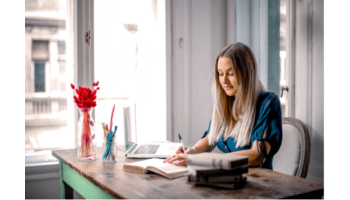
(95, 84)
(86, 98)
(76, 99)
(98, 88)
(72, 86)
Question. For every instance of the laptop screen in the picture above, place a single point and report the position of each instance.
(129, 125)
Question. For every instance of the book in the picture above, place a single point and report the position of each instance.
(217, 160)
(223, 185)
(215, 179)
(157, 166)
(215, 171)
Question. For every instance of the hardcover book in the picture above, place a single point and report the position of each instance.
(223, 185)
(217, 160)
(215, 171)
(216, 179)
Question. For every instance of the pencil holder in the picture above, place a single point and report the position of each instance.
(86, 136)
(109, 147)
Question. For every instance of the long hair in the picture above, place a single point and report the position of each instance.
(235, 116)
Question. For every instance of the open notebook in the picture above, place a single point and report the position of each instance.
(157, 166)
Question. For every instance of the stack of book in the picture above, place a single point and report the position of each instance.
(218, 170)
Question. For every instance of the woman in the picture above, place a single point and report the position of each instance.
(246, 119)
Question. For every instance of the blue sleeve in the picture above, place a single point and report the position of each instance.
(207, 131)
(270, 118)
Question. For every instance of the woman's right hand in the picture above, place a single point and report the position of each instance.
(188, 150)
(180, 150)
(179, 157)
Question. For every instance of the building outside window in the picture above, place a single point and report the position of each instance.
(46, 80)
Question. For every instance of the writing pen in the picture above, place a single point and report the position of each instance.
(182, 143)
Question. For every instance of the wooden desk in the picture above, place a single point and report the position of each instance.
(100, 180)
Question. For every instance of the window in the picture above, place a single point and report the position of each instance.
(40, 55)
(61, 48)
(283, 77)
(130, 65)
(39, 76)
(48, 115)
(40, 50)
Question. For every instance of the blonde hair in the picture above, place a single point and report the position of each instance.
(235, 115)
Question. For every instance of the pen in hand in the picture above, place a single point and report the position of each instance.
(182, 143)
(177, 159)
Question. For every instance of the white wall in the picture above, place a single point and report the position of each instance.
(309, 78)
(199, 31)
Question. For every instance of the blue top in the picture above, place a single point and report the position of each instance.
(269, 117)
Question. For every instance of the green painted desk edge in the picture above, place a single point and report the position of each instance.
(79, 183)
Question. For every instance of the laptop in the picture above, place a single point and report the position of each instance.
(135, 149)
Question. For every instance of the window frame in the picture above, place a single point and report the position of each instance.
(81, 13)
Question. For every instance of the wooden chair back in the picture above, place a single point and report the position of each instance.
(293, 156)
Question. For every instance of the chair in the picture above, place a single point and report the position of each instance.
(293, 156)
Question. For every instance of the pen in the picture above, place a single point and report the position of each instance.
(182, 143)
(104, 130)
(110, 144)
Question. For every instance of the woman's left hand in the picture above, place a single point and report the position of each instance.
(177, 159)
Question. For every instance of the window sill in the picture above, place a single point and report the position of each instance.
(40, 166)
(42, 171)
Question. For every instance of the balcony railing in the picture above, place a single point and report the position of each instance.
(45, 105)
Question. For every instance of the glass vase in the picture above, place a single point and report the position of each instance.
(86, 136)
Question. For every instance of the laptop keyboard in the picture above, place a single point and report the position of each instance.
(147, 149)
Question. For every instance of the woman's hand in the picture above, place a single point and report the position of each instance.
(180, 150)
(179, 157)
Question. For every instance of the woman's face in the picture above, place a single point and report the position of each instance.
(226, 76)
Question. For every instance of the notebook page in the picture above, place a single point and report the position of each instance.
(157, 166)
(147, 162)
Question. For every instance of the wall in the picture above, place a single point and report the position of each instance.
(45, 189)
(199, 32)
(309, 78)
